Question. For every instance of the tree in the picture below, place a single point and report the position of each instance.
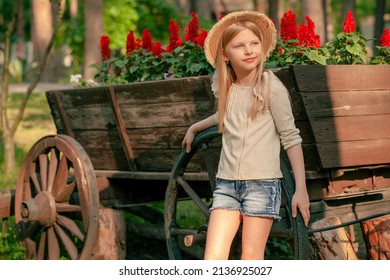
(315, 10)
(8, 126)
(93, 31)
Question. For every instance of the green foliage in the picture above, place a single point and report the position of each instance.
(348, 48)
(9, 245)
(383, 56)
(119, 18)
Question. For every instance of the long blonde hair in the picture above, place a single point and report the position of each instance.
(227, 76)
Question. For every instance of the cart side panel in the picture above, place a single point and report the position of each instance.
(349, 113)
(149, 118)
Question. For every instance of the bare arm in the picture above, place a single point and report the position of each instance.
(195, 129)
(300, 199)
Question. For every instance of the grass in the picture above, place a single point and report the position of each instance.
(36, 123)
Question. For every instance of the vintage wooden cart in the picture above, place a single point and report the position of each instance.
(119, 147)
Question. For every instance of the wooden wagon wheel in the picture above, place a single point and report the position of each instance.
(174, 232)
(57, 201)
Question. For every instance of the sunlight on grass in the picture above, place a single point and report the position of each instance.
(36, 123)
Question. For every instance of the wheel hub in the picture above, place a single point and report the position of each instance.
(41, 209)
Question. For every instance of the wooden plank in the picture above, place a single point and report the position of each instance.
(124, 137)
(341, 77)
(63, 115)
(351, 128)
(151, 92)
(346, 103)
(147, 116)
(333, 244)
(354, 153)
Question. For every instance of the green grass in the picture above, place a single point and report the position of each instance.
(37, 122)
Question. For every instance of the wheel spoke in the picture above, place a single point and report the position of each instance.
(69, 245)
(65, 207)
(198, 201)
(52, 169)
(42, 246)
(61, 178)
(71, 226)
(34, 178)
(53, 246)
(43, 170)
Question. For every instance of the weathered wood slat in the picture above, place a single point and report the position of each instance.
(124, 137)
(346, 103)
(341, 77)
(351, 128)
(354, 153)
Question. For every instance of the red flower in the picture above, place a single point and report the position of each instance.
(130, 42)
(191, 32)
(385, 38)
(147, 40)
(202, 37)
(288, 27)
(174, 38)
(157, 49)
(349, 23)
(306, 35)
(105, 47)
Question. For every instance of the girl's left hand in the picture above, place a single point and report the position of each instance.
(300, 200)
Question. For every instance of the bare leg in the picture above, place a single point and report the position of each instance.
(255, 232)
(222, 228)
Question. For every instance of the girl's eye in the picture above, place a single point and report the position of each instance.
(238, 46)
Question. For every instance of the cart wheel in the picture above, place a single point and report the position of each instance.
(57, 201)
(177, 235)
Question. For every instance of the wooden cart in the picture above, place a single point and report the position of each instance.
(119, 147)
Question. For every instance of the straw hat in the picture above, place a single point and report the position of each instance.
(265, 25)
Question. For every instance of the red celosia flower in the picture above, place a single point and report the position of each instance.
(191, 32)
(174, 38)
(105, 47)
(306, 35)
(130, 42)
(202, 37)
(385, 38)
(349, 23)
(157, 49)
(147, 40)
(288, 27)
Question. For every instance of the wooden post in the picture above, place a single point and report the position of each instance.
(376, 233)
(111, 244)
(333, 244)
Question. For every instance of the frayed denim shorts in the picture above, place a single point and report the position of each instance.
(251, 197)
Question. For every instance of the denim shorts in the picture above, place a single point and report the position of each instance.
(251, 197)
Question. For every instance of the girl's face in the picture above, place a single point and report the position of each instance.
(243, 52)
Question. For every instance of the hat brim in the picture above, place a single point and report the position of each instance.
(263, 22)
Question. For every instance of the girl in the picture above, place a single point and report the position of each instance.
(255, 116)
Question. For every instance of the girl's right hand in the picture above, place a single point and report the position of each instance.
(188, 139)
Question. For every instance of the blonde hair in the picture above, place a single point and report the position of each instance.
(227, 76)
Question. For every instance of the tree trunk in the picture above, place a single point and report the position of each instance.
(315, 10)
(276, 12)
(379, 22)
(93, 31)
(5, 128)
(41, 31)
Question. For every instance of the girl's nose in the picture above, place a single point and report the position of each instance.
(248, 50)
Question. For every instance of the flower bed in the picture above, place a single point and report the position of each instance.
(146, 59)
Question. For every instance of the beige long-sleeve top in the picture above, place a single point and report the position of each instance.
(251, 147)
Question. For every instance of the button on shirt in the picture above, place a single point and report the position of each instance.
(251, 147)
